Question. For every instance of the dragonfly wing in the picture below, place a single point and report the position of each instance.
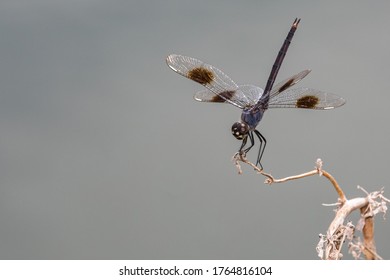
(285, 84)
(208, 96)
(306, 98)
(252, 93)
(210, 77)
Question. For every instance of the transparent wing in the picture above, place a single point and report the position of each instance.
(285, 84)
(208, 96)
(251, 92)
(306, 98)
(210, 77)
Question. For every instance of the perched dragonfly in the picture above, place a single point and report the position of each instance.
(251, 99)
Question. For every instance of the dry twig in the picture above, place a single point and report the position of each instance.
(330, 245)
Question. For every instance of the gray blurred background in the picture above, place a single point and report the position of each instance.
(105, 155)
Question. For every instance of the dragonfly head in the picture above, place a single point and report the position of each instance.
(240, 130)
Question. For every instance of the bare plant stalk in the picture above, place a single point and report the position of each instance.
(270, 179)
(368, 235)
(330, 245)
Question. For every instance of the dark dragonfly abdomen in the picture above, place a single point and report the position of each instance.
(278, 62)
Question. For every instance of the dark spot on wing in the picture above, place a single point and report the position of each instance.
(288, 84)
(308, 101)
(223, 96)
(201, 75)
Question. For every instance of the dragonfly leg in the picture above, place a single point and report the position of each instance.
(261, 149)
(240, 151)
(250, 134)
(243, 151)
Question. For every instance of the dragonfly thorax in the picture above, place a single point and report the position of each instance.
(240, 130)
(252, 116)
(249, 120)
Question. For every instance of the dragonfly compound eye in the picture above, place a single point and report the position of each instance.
(240, 130)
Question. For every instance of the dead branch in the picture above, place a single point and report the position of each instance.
(330, 245)
(237, 158)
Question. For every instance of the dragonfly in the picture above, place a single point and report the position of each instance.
(253, 100)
